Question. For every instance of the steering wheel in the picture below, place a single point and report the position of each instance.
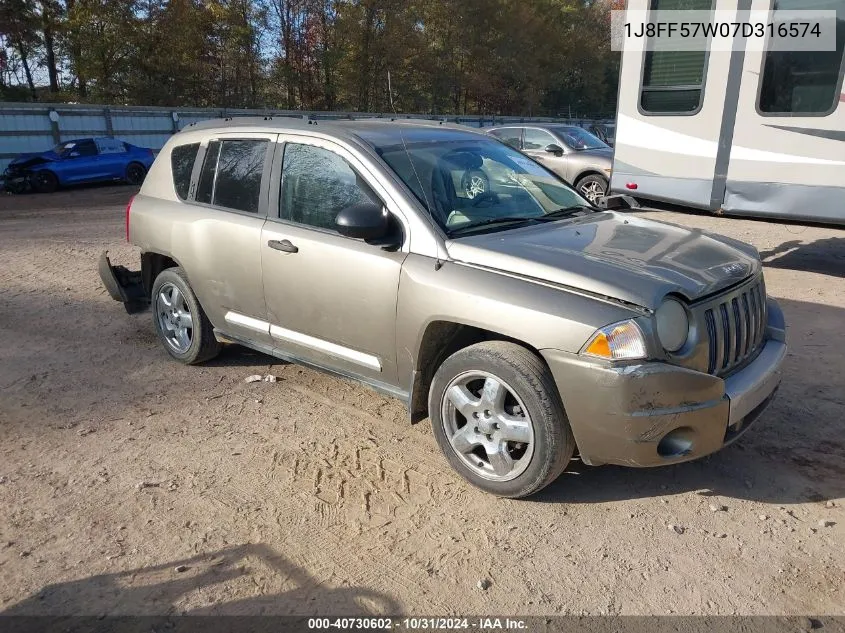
(485, 196)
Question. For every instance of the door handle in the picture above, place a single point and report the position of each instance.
(283, 245)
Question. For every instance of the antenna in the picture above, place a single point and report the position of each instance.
(390, 92)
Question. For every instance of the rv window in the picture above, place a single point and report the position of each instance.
(800, 82)
(673, 81)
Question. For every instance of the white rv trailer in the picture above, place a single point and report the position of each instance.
(739, 132)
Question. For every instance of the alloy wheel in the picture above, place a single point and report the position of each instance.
(592, 190)
(174, 318)
(487, 425)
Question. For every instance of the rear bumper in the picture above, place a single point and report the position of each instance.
(654, 413)
(123, 285)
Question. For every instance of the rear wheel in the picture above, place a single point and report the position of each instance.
(593, 187)
(135, 173)
(498, 419)
(44, 181)
(180, 322)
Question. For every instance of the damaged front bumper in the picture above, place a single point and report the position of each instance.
(124, 285)
(654, 413)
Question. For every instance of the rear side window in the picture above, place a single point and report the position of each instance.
(182, 159)
(110, 146)
(509, 135)
(673, 81)
(537, 139)
(231, 174)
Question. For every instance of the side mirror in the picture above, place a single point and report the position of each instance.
(365, 221)
(554, 148)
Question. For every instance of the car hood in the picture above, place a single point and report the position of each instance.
(22, 159)
(628, 258)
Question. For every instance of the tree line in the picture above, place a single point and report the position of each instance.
(499, 57)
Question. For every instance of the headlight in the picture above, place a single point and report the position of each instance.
(672, 325)
(620, 341)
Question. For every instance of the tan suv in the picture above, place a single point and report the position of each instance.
(525, 323)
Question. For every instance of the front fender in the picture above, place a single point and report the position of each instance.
(537, 314)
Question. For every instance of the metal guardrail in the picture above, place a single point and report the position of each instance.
(35, 127)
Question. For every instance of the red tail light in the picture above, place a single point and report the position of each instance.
(631, 185)
(128, 209)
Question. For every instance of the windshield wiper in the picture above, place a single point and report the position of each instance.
(568, 211)
(559, 213)
(491, 221)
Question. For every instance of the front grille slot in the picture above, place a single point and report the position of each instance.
(736, 324)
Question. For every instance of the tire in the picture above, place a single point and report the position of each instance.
(44, 181)
(593, 187)
(169, 319)
(532, 397)
(135, 173)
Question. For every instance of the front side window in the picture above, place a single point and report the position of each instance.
(673, 81)
(182, 164)
(76, 149)
(479, 184)
(509, 135)
(231, 174)
(317, 184)
(804, 82)
(537, 139)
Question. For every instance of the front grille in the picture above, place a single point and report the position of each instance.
(736, 325)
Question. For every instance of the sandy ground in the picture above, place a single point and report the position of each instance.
(314, 495)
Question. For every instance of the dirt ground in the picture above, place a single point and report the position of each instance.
(130, 484)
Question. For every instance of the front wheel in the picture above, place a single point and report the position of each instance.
(180, 322)
(498, 419)
(44, 181)
(592, 187)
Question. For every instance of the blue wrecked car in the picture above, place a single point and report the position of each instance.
(84, 160)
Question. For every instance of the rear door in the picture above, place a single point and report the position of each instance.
(81, 163)
(112, 157)
(222, 230)
(331, 300)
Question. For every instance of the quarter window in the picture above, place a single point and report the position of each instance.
(801, 81)
(537, 139)
(673, 81)
(231, 174)
(317, 184)
(182, 164)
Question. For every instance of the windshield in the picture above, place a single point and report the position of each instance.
(473, 183)
(578, 138)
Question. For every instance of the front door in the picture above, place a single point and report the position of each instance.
(534, 143)
(81, 163)
(331, 300)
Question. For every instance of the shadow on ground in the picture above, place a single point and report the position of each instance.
(824, 256)
(202, 579)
